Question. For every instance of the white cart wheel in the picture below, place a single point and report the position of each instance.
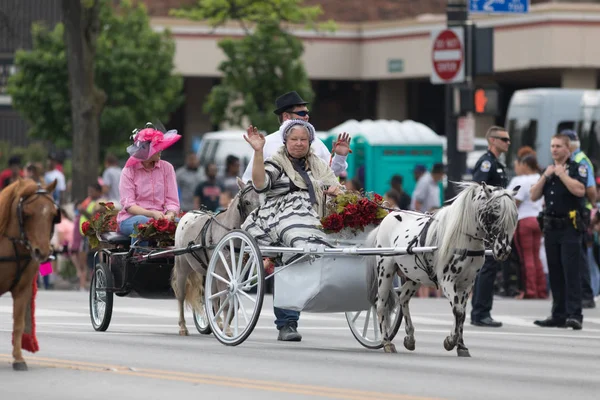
(365, 327)
(235, 288)
(201, 322)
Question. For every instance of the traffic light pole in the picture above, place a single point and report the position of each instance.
(457, 16)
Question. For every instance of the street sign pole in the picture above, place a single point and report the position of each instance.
(457, 16)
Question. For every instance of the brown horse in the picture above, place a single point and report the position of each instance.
(27, 217)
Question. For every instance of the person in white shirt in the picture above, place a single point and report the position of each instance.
(426, 195)
(291, 106)
(528, 235)
(54, 173)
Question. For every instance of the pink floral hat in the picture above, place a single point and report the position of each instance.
(148, 142)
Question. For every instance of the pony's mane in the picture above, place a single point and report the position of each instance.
(17, 189)
(506, 209)
(460, 217)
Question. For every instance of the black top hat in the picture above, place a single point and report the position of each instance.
(288, 100)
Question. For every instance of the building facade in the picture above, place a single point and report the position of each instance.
(378, 62)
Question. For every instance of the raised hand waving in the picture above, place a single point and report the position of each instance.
(256, 139)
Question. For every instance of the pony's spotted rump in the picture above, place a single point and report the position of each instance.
(479, 215)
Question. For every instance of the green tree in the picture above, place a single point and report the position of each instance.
(133, 69)
(262, 65)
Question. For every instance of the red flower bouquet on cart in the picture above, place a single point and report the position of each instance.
(103, 221)
(157, 231)
(354, 211)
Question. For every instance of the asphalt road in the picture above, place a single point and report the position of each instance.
(141, 356)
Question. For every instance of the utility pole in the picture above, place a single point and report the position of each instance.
(457, 15)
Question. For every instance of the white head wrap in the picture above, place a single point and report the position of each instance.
(287, 126)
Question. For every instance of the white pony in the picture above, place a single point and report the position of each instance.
(479, 214)
(199, 227)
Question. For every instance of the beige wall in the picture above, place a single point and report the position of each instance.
(551, 36)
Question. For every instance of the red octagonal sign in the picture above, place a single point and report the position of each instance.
(447, 55)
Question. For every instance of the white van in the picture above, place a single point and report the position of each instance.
(214, 147)
(588, 127)
(535, 115)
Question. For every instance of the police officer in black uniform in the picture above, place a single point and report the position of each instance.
(563, 188)
(491, 171)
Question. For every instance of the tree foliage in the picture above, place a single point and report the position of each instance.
(263, 64)
(219, 12)
(133, 66)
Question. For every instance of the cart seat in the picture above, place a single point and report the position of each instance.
(115, 238)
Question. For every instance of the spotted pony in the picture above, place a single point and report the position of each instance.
(479, 215)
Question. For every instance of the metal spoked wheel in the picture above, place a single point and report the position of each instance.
(235, 287)
(201, 322)
(101, 301)
(365, 327)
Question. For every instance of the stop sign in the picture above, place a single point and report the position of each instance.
(448, 56)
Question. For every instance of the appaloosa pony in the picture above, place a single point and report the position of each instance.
(479, 214)
(27, 217)
(205, 228)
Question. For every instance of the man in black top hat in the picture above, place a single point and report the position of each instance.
(291, 106)
(289, 102)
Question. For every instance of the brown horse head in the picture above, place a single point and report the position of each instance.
(27, 216)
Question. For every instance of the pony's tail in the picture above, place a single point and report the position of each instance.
(371, 265)
(194, 289)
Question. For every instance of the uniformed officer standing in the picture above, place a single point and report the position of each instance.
(587, 293)
(563, 188)
(491, 171)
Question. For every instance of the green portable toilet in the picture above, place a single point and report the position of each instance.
(326, 138)
(384, 148)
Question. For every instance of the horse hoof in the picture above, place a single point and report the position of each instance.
(20, 366)
(448, 345)
(463, 352)
(183, 332)
(389, 348)
(409, 343)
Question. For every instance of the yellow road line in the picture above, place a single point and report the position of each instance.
(215, 380)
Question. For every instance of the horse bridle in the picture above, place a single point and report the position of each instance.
(22, 239)
(243, 192)
(493, 231)
(202, 234)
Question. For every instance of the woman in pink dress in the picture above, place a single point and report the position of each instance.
(148, 186)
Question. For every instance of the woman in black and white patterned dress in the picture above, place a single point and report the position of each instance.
(295, 183)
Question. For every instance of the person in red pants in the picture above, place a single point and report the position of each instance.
(528, 235)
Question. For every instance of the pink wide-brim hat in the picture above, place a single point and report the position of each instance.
(148, 142)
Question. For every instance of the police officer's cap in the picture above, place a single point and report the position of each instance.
(570, 133)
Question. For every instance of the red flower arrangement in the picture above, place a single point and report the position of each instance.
(160, 232)
(353, 210)
(103, 221)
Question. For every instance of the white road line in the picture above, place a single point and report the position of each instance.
(574, 335)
